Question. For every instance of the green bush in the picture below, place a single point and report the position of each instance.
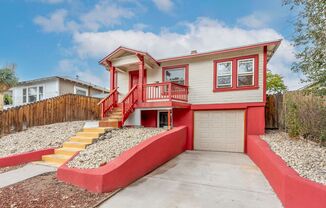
(305, 115)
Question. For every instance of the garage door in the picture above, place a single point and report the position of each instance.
(219, 130)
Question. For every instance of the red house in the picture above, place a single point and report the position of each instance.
(219, 95)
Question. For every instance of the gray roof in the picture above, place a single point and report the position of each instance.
(64, 78)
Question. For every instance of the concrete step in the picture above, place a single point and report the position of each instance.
(89, 134)
(80, 145)
(53, 164)
(98, 130)
(82, 139)
(67, 151)
(110, 123)
(55, 158)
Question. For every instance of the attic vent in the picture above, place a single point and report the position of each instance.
(193, 52)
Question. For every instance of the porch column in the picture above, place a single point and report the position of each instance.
(112, 76)
(141, 77)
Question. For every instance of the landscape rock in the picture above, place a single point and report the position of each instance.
(110, 146)
(306, 157)
(39, 137)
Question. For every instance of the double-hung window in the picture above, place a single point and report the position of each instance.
(236, 73)
(245, 72)
(224, 74)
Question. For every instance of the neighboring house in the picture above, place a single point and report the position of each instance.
(38, 89)
(220, 95)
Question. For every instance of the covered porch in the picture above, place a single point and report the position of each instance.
(133, 86)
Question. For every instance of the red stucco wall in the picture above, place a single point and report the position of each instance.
(293, 190)
(130, 165)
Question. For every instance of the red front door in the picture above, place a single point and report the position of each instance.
(134, 78)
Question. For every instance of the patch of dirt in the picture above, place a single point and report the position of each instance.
(45, 191)
(6, 169)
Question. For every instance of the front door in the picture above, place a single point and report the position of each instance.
(162, 119)
(134, 78)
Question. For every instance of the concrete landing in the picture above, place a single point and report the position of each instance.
(23, 173)
(198, 179)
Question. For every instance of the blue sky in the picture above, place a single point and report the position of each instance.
(68, 37)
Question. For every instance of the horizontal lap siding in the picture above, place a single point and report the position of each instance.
(201, 80)
(123, 84)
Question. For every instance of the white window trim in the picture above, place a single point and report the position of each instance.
(246, 73)
(221, 85)
(80, 88)
(177, 68)
(37, 93)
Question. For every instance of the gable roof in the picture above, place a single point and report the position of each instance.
(43, 79)
(273, 45)
(121, 49)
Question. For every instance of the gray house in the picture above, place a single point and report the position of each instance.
(38, 89)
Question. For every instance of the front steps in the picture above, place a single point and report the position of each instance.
(71, 147)
(114, 119)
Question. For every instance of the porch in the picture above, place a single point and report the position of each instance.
(135, 83)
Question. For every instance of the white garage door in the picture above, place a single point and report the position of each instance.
(219, 130)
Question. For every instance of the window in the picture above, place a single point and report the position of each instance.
(40, 93)
(239, 73)
(24, 95)
(245, 72)
(176, 74)
(224, 74)
(32, 94)
(81, 91)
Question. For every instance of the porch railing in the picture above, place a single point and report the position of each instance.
(165, 91)
(109, 102)
(129, 102)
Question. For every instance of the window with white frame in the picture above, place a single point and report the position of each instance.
(245, 72)
(33, 94)
(176, 75)
(81, 91)
(224, 74)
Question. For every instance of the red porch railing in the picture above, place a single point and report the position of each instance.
(165, 91)
(129, 102)
(109, 102)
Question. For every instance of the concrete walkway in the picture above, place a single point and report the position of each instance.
(200, 179)
(23, 173)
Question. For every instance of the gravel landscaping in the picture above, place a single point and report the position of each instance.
(111, 145)
(37, 138)
(46, 191)
(10, 168)
(306, 157)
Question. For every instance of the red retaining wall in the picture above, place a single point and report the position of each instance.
(293, 190)
(130, 165)
(22, 158)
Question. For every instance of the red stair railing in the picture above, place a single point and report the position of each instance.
(128, 103)
(109, 102)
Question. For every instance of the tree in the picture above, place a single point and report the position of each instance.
(310, 39)
(275, 83)
(8, 79)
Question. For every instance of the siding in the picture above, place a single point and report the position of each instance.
(67, 87)
(201, 79)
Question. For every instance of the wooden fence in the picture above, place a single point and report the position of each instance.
(58, 109)
(274, 112)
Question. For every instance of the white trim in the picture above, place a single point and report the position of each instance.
(37, 93)
(80, 88)
(230, 74)
(246, 73)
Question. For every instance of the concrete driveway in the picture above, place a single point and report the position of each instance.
(198, 179)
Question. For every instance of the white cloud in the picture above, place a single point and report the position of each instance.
(203, 35)
(105, 13)
(164, 5)
(76, 67)
(255, 20)
(54, 23)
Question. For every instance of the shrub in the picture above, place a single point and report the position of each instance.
(305, 115)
